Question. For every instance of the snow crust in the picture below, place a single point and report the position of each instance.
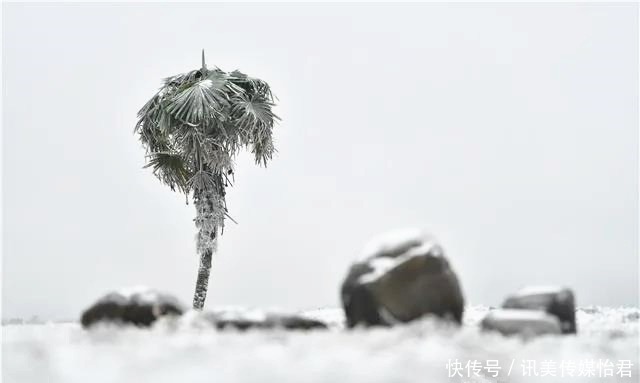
(528, 322)
(394, 240)
(380, 266)
(535, 290)
(415, 352)
(408, 242)
(520, 315)
(140, 294)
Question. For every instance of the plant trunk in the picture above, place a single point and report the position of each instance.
(202, 283)
(209, 217)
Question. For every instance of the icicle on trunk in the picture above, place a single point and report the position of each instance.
(209, 218)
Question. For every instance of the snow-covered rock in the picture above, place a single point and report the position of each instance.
(334, 318)
(527, 323)
(557, 301)
(401, 276)
(140, 306)
(243, 319)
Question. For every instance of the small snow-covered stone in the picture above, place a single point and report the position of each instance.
(244, 319)
(557, 301)
(401, 276)
(527, 323)
(139, 306)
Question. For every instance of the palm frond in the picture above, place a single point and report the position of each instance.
(251, 85)
(191, 142)
(184, 78)
(219, 160)
(196, 124)
(253, 110)
(170, 169)
(202, 180)
(263, 150)
(204, 100)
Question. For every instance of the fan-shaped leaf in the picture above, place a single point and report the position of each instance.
(170, 169)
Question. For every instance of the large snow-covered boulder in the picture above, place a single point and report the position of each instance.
(401, 276)
(139, 306)
(244, 319)
(527, 323)
(557, 301)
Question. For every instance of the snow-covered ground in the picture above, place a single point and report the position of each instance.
(423, 351)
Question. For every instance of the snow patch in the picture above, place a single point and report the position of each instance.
(391, 249)
(393, 241)
(536, 290)
(140, 295)
(520, 315)
(417, 351)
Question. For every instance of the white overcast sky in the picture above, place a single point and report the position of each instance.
(508, 131)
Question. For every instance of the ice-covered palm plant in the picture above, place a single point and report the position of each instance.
(192, 129)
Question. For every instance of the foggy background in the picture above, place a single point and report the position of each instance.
(508, 131)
